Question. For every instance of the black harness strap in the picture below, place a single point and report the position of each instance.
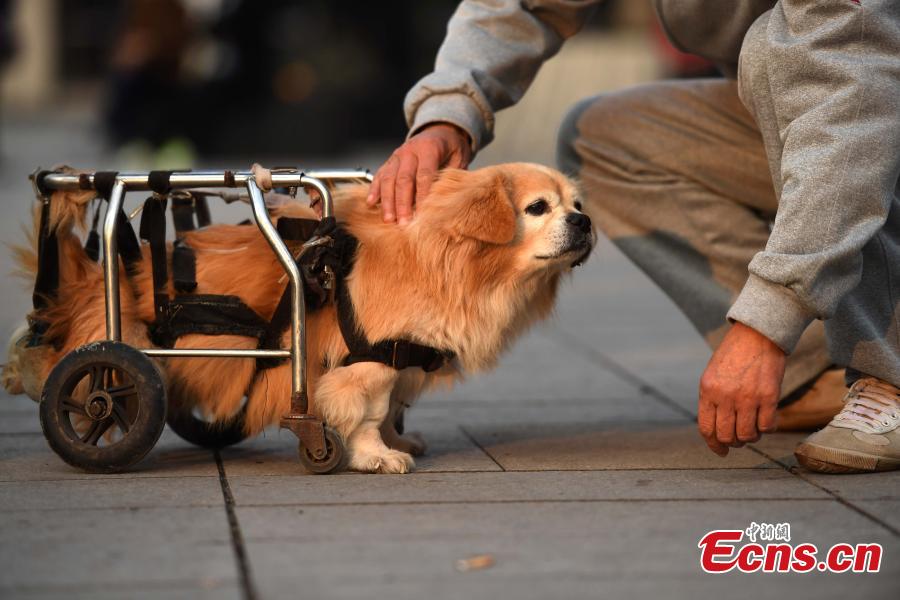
(182, 214)
(340, 257)
(158, 181)
(184, 264)
(314, 295)
(92, 244)
(46, 282)
(184, 268)
(201, 208)
(153, 229)
(398, 353)
(208, 315)
(126, 240)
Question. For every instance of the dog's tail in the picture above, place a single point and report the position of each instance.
(68, 220)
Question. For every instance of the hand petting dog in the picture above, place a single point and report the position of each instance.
(405, 179)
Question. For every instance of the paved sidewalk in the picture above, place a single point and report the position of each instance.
(576, 466)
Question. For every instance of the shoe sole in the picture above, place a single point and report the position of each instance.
(830, 460)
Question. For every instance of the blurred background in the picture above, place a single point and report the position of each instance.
(145, 84)
(237, 80)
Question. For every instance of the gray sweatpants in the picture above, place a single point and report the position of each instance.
(676, 176)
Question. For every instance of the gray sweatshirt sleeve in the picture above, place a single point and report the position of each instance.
(823, 79)
(492, 52)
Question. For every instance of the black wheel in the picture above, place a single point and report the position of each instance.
(333, 459)
(194, 429)
(103, 407)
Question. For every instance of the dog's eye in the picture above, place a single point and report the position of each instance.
(538, 208)
(578, 205)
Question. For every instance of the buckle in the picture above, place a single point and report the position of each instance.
(400, 355)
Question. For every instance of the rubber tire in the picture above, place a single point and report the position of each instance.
(204, 434)
(335, 457)
(144, 431)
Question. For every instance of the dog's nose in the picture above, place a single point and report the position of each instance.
(580, 221)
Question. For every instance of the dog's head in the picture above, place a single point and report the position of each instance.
(529, 210)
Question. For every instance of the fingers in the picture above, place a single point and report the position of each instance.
(408, 174)
(425, 174)
(745, 425)
(706, 423)
(405, 188)
(725, 420)
(386, 188)
(374, 193)
(766, 420)
(717, 447)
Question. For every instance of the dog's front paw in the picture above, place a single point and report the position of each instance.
(387, 461)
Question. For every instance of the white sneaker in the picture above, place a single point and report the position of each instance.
(863, 437)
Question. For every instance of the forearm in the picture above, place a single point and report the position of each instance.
(490, 56)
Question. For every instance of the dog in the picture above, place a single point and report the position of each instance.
(480, 262)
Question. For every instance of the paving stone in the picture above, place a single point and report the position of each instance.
(214, 590)
(123, 492)
(853, 487)
(605, 445)
(887, 511)
(489, 487)
(18, 414)
(541, 550)
(28, 458)
(536, 367)
(16, 403)
(780, 446)
(141, 548)
(634, 408)
(864, 486)
(620, 314)
(19, 422)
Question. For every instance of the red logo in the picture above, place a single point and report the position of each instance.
(720, 552)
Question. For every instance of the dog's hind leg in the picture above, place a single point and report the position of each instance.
(355, 400)
(408, 388)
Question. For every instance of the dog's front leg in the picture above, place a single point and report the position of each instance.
(355, 401)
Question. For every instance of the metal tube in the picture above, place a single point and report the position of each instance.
(341, 174)
(327, 201)
(111, 262)
(215, 353)
(140, 181)
(298, 305)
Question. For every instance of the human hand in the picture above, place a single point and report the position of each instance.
(405, 178)
(739, 390)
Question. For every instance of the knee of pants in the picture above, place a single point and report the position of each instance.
(567, 158)
(604, 121)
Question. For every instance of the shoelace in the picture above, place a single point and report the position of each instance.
(871, 406)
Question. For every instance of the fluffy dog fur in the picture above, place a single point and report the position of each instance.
(469, 274)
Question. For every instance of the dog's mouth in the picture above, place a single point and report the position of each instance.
(582, 248)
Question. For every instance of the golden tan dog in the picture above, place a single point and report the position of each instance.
(479, 263)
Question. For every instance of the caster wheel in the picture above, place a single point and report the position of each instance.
(333, 460)
(194, 429)
(103, 407)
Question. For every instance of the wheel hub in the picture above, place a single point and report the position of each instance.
(99, 405)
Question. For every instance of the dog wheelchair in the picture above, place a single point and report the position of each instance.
(123, 390)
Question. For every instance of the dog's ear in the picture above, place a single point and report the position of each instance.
(473, 204)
